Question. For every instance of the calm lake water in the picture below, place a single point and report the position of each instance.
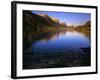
(61, 42)
(59, 49)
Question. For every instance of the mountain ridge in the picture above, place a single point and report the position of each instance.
(40, 20)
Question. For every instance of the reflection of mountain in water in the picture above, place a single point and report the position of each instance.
(61, 42)
(59, 49)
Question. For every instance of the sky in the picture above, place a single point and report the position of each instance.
(70, 18)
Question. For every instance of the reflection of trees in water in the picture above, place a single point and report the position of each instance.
(54, 35)
(86, 33)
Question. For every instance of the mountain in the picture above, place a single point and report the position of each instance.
(63, 24)
(87, 24)
(37, 21)
(49, 19)
(52, 20)
(33, 21)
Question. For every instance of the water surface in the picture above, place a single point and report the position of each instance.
(61, 41)
(59, 49)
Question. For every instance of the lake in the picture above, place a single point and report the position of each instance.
(59, 49)
(63, 41)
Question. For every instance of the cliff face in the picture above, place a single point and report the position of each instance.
(35, 21)
(51, 20)
(48, 19)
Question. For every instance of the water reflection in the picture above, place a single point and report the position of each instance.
(59, 49)
(61, 41)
